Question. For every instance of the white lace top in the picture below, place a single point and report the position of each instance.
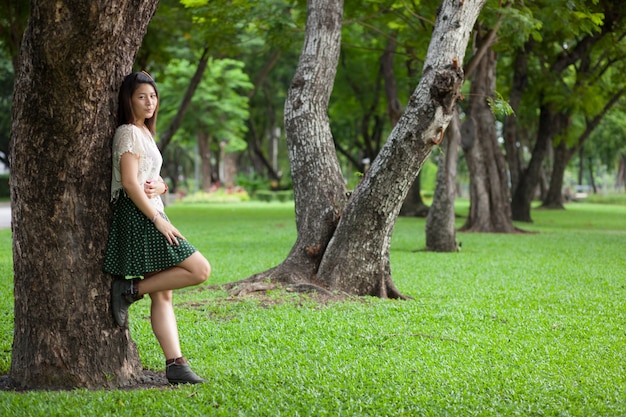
(130, 138)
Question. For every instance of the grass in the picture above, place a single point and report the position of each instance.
(513, 325)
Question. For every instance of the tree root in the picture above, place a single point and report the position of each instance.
(242, 288)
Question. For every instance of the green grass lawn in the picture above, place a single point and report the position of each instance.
(529, 324)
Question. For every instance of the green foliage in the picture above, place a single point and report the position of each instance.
(6, 100)
(514, 324)
(219, 106)
(219, 196)
(499, 106)
(5, 189)
(269, 196)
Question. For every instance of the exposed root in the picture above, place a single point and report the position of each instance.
(247, 287)
(390, 291)
(308, 287)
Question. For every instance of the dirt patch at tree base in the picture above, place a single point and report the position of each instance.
(148, 380)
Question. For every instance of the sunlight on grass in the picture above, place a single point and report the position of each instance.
(524, 324)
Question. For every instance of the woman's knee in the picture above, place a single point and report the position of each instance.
(161, 296)
(202, 271)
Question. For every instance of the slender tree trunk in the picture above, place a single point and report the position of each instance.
(620, 177)
(74, 56)
(549, 125)
(554, 196)
(564, 153)
(581, 165)
(440, 225)
(319, 189)
(204, 149)
(413, 205)
(490, 209)
(229, 165)
(592, 180)
(177, 121)
(510, 128)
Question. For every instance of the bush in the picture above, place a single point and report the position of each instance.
(220, 196)
(269, 196)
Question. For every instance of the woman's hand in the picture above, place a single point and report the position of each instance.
(153, 188)
(170, 232)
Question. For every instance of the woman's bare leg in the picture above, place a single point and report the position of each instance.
(164, 324)
(192, 271)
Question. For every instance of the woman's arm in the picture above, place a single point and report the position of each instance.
(129, 167)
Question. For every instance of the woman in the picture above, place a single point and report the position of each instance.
(142, 241)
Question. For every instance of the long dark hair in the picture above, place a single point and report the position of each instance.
(124, 107)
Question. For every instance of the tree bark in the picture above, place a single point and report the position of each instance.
(343, 244)
(204, 149)
(440, 223)
(550, 124)
(554, 195)
(73, 58)
(510, 129)
(319, 188)
(440, 226)
(620, 176)
(490, 209)
(357, 258)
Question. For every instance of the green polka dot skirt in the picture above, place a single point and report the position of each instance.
(136, 247)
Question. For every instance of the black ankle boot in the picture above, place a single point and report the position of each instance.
(124, 292)
(178, 371)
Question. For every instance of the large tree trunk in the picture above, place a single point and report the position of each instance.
(440, 224)
(413, 205)
(357, 258)
(73, 58)
(319, 188)
(341, 246)
(490, 209)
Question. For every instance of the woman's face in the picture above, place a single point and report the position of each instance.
(143, 102)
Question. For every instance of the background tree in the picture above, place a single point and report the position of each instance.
(344, 244)
(73, 58)
(13, 17)
(568, 43)
(217, 113)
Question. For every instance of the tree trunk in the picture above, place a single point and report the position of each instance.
(195, 81)
(554, 196)
(490, 209)
(564, 153)
(413, 205)
(204, 149)
(74, 56)
(550, 124)
(318, 185)
(510, 129)
(345, 246)
(620, 176)
(440, 225)
(357, 258)
(229, 165)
